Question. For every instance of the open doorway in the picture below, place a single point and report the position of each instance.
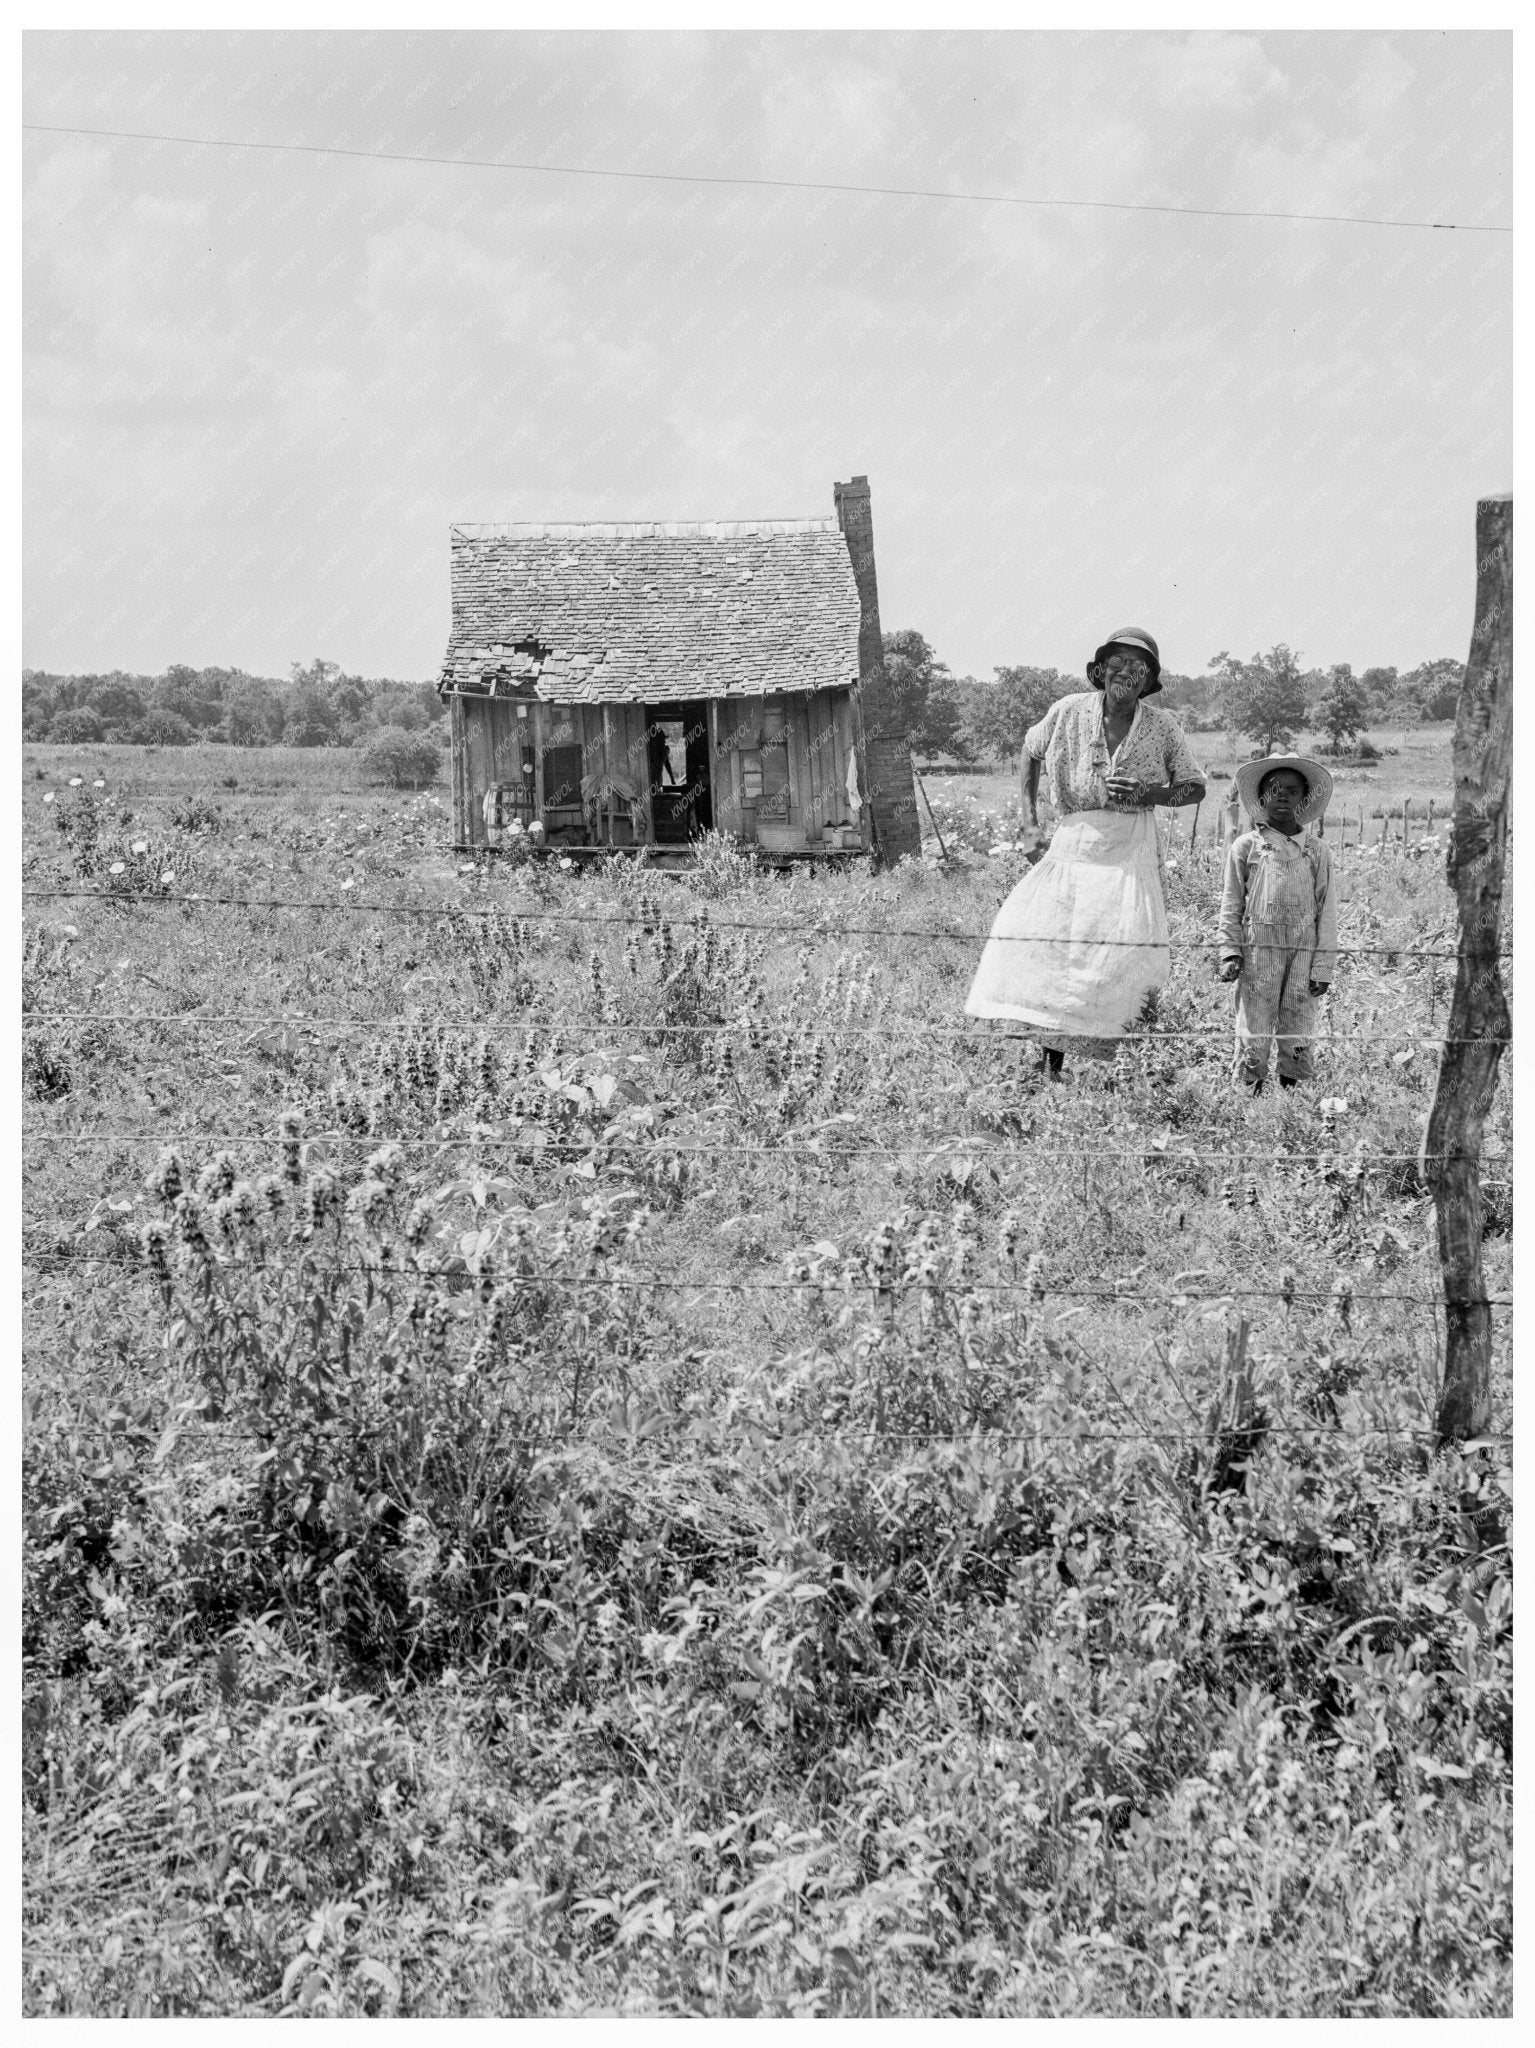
(681, 799)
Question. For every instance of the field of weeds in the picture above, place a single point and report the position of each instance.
(589, 1448)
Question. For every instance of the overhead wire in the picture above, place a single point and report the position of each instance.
(744, 181)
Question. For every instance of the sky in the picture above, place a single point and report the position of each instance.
(260, 385)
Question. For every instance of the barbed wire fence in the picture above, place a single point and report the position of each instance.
(522, 918)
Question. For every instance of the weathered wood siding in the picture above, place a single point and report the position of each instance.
(802, 745)
(488, 738)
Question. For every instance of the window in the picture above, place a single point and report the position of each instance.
(562, 778)
(751, 778)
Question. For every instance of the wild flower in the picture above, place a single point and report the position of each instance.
(1034, 1275)
(1008, 1232)
(879, 1260)
(386, 1165)
(1342, 1301)
(438, 1320)
(189, 1218)
(165, 1183)
(367, 1202)
(321, 1193)
(217, 1177)
(155, 1240)
(291, 1126)
(491, 1340)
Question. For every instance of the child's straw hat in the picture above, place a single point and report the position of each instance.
(1316, 778)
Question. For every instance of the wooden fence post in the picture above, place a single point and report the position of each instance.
(1236, 1421)
(1479, 1017)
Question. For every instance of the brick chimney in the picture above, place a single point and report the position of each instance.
(892, 789)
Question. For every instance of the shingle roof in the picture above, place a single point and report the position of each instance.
(652, 613)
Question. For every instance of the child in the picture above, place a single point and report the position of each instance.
(1279, 919)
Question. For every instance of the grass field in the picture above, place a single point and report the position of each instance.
(1414, 771)
(552, 1496)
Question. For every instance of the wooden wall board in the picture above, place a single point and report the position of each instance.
(801, 780)
(460, 767)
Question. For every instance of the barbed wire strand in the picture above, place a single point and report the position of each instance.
(979, 1150)
(679, 1282)
(1335, 1431)
(974, 1030)
(653, 920)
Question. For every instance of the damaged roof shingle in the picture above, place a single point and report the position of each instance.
(648, 613)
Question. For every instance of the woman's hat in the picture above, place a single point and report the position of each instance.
(1140, 642)
(1316, 778)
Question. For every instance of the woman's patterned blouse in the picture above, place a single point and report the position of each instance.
(1069, 740)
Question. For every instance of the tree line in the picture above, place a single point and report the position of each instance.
(316, 705)
(1270, 698)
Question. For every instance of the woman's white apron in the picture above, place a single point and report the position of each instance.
(1082, 941)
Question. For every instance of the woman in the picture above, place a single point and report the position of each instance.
(1081, 943)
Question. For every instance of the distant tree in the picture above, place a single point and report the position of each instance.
(1379, 686)
(317, 675)
(349, 698)
(1264, 697)
(1434, 687)
(922, 695)
(998, 714)
(403, 759)
(310, 721)
(76, 728)
(187, 693)
(1192, 697)
(163, 729)
(1341, 710)
(117, 702)
(39, 701)
(251, 722)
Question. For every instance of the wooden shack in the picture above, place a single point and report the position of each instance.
(627, 686)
